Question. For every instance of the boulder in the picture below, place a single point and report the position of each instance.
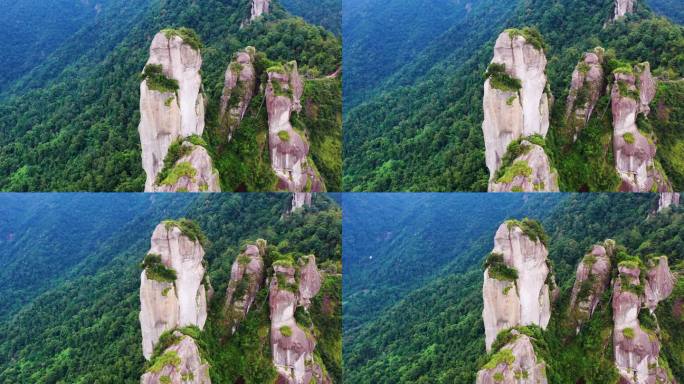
(180, 363)
(246, 277)
(591, 280)
(238, 89)
(514, 363)
(522, 297)
(512, 112)
(634, 150)
(289, 148)
(171, 99)
(585, 89)
(193, 172)
(172, 288)
(529, 172)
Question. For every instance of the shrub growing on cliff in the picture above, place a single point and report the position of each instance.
(498, 269)
(157, 81)
(531, 35)
(189, 36)
(189, 228)
(156, 270)
(499, 79)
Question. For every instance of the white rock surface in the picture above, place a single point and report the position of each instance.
(585, 90)
(165, 116)
(528, 301)
(259, 7)
(623, 7)
(301, 199)
(525, 361)
(594, 268)
(185, 301)
(668, 199)
(205, 178)
(190, 370)
(510, 115)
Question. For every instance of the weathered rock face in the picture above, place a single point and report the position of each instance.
(585, 89)
(659, 282)
(259, 7)
(292, 346)
(634, 152)
(301, 199)
(246, 277)
(523, 369)
(185, 367)
(238, 89)
(288, 148)
(165, 114)
(510, 114)
(193, 172)
(623, 7)
(591, 280)
(636, 350)
(668, 199)
(524, 300)
(532, 173)
(167, 303)
(309, 281)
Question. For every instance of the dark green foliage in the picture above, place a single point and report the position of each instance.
(189, 36)
(668, 8)
(501, 80)
(667, 119)
(190, 229)
(498, 269)
(156, 270)
(175, 152)
(326, 13)
(157, 81)
(531, 35)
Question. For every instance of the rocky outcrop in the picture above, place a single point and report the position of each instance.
(180, 363)
(289, 148)
(171, 99)
(192, 172)
(591, 280)
(259, 7)
(623, 7)
(514, 363)
(659, 282)
(634, 150)
(238, 89)
(668, 199)
(301, 199)
(516, 101)
(246, 277)
(529, 172)
(585, 89)
(636, 349)
(173, 287)
(293, 344)
(517, 282)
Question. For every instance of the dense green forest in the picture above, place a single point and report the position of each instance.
(435, 334)
(421, 130)
(83, 327)
(668, 8)
(326, 13)
(71, 123)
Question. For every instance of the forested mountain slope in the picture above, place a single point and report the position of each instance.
(394, 243)
(436, 334)
(85, 326)
(71, 123)
(428, 135)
